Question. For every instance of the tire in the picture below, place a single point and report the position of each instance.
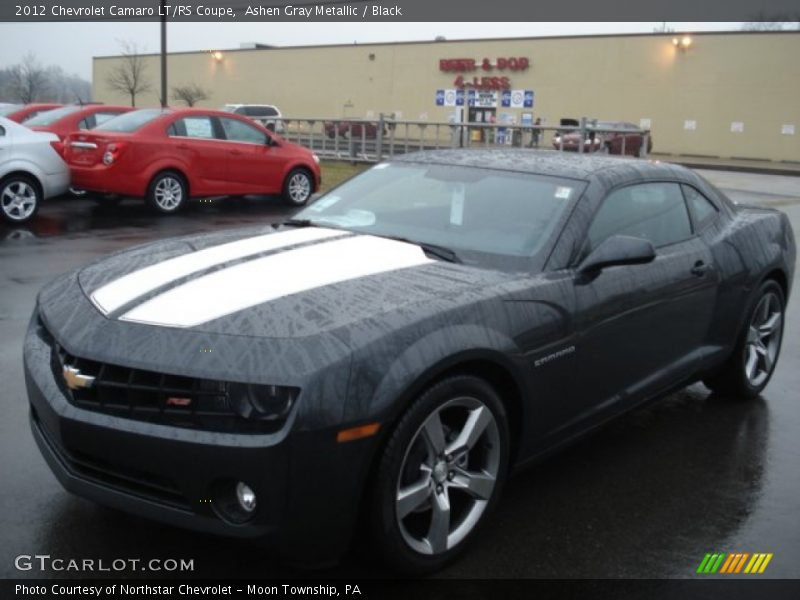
(167, 192)
(415, 461)
(20, 197)
(750, 367)
(298, 187)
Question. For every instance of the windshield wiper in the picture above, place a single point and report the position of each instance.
(299, 223)
(442, 252)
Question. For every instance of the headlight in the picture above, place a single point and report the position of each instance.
(261, 402)
(316, 158)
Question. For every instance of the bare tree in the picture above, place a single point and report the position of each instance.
(663, 28)
(189, 94)
(129, 76)
(28, 80)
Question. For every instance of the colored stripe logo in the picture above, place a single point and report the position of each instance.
(734, 562)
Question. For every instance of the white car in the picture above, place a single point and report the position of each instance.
(266, 114)
(31, 169)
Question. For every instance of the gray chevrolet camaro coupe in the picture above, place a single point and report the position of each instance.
(389, 355)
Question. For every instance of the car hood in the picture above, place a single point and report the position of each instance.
(284, 283)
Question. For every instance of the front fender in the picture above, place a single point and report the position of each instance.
(384, 382)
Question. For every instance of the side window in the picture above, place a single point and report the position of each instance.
(2, 131)
(193, 127)
(237, 131)
(269, 111)
(703, 211)
(653, 211)
(102, 117)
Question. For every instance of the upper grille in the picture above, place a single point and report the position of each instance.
(162, 398)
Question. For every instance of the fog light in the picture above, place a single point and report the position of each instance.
(108, 158)
(246, 497)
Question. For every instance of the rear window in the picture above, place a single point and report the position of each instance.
(51, 116)
(131, 121)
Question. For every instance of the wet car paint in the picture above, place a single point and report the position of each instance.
(646, 497)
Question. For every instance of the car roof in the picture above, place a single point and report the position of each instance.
(570, 165)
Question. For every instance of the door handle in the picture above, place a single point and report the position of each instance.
(183, 146)
(235, 152)
(699, 269)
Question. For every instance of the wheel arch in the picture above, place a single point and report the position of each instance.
(303, 166)
(25, 173)
(163, 168)
(488, 364)
(780, 278)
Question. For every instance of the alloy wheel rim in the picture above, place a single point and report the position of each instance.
(448, 475)
(299, 188)
(18, 200)
(763, 339)
(168, 193)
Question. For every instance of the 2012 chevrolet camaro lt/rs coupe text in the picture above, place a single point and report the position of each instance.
(393, 351)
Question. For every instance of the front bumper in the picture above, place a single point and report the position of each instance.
(308, 487)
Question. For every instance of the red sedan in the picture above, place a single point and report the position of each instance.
(607, 137)
(168, 155)
(74, 117)
(21, 112)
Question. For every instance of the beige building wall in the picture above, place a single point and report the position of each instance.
(749, 78)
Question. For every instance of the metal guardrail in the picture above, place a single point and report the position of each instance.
(373, 140)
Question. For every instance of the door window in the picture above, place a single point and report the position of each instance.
(653, 211)
(193, 127)
(237, 131)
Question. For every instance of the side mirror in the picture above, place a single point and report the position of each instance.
(618, 250)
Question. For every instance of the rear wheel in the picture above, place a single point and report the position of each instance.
(749, 369)
(440, 475)
(167, 192)
(298, 187)
(19, 198)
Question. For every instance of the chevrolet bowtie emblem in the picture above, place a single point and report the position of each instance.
(75, 380)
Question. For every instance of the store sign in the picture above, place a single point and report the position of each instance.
(498, 81)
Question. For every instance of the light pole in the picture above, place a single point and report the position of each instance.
(163, 15)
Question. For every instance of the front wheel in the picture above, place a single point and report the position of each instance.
(749, 369)
(440, 475)
(298, 187)
(19, 198)
(167, 192)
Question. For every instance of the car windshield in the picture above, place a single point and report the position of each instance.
(476, 213)
(131, 121)
(51, 116)
(7, 110)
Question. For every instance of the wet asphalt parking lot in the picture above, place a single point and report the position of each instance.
(646, 497)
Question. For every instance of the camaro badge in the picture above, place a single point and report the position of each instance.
(75, 380)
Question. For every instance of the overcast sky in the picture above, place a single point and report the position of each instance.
(72, 45)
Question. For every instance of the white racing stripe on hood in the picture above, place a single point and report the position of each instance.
(298, 270)
(119, 292)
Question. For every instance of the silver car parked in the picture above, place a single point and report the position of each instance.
(31, 169)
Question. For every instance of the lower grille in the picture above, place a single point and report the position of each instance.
(100, 472)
